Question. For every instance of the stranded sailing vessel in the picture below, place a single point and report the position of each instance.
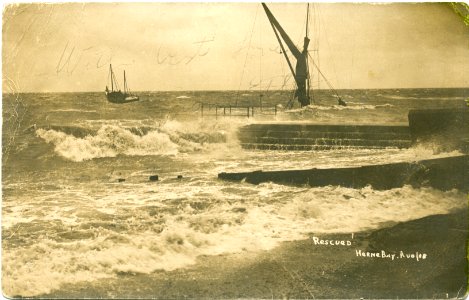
(301, 71)
(115, 95)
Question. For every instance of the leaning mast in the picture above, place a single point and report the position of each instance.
(308, 82)
(301, 73)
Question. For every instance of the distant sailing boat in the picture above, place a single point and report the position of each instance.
(115, 95)
(301, 72)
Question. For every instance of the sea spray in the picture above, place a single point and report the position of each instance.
(141, 237)
(169, 138)
(64, 223)
(109, 141)
(354, 106)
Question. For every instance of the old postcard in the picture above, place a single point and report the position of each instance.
(235, 150)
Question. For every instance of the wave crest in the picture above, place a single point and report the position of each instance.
(170, 138)
(358, 106)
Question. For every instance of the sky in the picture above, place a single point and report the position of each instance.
(229, 46)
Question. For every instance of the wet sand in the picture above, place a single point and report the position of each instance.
(309, 269)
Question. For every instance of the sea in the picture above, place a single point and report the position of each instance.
(78, 205)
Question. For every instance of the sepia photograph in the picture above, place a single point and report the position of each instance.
(215, 150)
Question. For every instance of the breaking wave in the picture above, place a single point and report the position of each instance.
(358, 106)
(169, 138)
(73, 110)
(355, 107)
(396, 97)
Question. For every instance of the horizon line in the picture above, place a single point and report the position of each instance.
(250, 91)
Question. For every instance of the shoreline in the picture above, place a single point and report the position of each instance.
(307, 269)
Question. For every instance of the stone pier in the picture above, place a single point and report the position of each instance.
(306, 136)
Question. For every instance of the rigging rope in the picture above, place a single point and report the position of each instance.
(329, 45)
(308, 90)
(325, 79)
(108, 75)
(317, 32)
(114, 80)
(246, 58)
(283, 49)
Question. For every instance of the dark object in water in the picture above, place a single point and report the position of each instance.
(239, 209)
(441, 173)
(153, 178)
(341, 102)
(120, 179)
(116, 96)
(179, 177)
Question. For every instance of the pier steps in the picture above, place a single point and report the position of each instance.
(323, 137)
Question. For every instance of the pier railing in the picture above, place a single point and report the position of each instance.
(249, 111)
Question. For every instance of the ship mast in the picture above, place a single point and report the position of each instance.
(125, 84)
(112, 78)
(301, 73)
(114, 82)
(308, 80)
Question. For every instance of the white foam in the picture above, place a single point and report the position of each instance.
(73, 110)
(109, 141)
(168, 138)
(248, 218)
(394, 97)
(348, 107)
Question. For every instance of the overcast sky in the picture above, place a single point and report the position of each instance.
(227, 46)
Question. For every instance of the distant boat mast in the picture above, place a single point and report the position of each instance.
(116, 96)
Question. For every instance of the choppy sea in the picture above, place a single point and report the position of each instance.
(67, 218)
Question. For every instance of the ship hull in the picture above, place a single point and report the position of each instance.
(119, 97)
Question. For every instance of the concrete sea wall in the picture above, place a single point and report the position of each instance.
(447, 128)
(444, 173)
(301, 136)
